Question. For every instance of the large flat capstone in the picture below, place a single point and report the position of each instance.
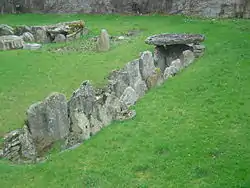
(171, 39)
(9, 42)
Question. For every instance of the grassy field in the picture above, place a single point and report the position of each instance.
(192, 132)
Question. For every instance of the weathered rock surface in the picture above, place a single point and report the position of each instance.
(28, 37)
(82, 99)
(135, 78)
(187, 58)
(6, 30)
(60, 38)
(146, 64)
(129, 96)
(31, 46)
(80, 125)
(9, 42)
(118, 81)
(155, 79)
(48, 120)
(19, 146)
(40, 33)
(21, 29)
(211, 8)
(28, 149)
(175, 67)
(198, 50)
(170, 39)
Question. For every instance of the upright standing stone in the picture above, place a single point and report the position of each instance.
(146, 63)
(187, 57)
(48, 120)
(135, 78)
(103, 42)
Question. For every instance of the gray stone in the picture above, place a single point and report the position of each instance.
(129, 96)
(112, 107)
(11, 149)
(11, 135)
(48, 120)
(129, 114)
(1, 154)
(169, 72)
(104, 113)
(60, 38)
(160, 57)
(140, 88)
(10, 42)
(170, 39)
(80, 124)
(198, 50)
(28, 149)
(6, 30)
(28, 37)
(20, 30)
(156, 79)
(187, 58)
(146, 64)
(82, 99)
(177, 65)
(135, 78)
(41, 35)
(31, 46)
(95, 125)
(72, 140)
(118, 81)
(103, 41)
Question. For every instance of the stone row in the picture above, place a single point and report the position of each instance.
(90, 109)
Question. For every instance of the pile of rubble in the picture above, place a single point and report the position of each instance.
(24, 36)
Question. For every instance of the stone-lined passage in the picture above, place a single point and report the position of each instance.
(91, 109)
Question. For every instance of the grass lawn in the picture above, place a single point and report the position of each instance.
(193, 131)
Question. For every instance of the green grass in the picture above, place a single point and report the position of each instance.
(193, 131)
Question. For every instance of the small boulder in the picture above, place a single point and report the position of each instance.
(28, 37)
(129, 96)
(41, 35)
(20, 30)
(177, 65)
(155, 79)
(103, 41)
(31, 46)
(169, 72)
(10, 42)
(60, 38)
(6, 30)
